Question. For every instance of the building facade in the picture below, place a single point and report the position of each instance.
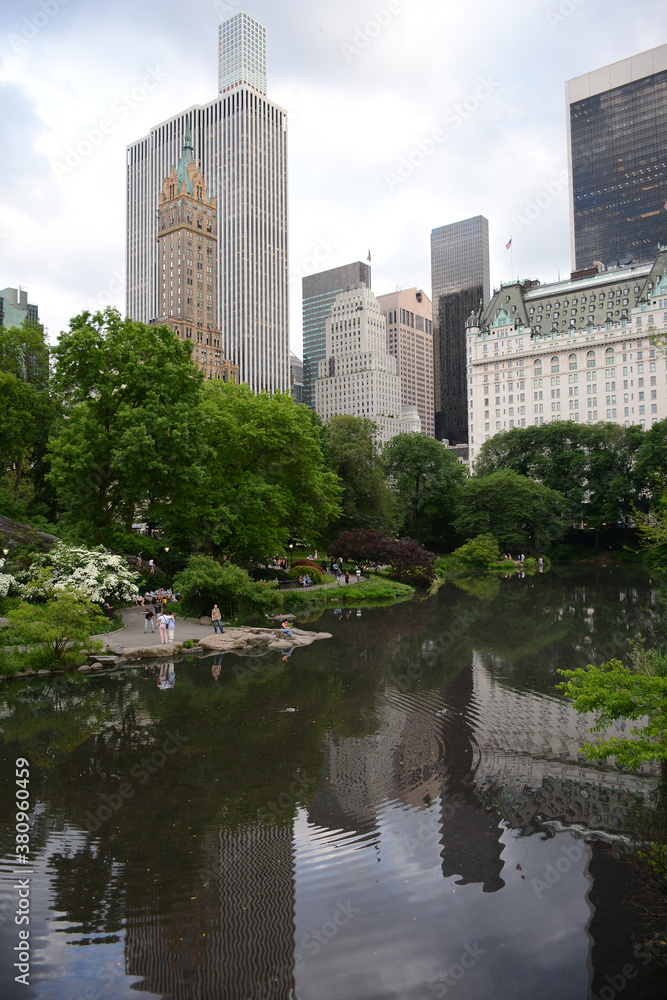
(296, 378)
(240, 141)
(188, 263)
(15, 310)
(578, 350)
(358, 377)
(410, 340)
(319, 292)
(460, 280)
(617, 151)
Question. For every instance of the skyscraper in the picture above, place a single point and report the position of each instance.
(460, 282)
(15, 309)
(240, 141)
(617, 151)
(410, 341)
(188, 263)
(319, 292)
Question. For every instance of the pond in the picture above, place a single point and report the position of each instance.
(397, 812)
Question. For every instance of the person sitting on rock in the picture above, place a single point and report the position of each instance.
(285, 629)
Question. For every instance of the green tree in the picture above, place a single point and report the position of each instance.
(130, 441)
(519, 512)
(428, 481)
(263, 480)
(351, 451)
(61, 626)
(205, 582)
(591, 465)
(480, 551)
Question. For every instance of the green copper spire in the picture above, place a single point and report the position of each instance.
(187, 157)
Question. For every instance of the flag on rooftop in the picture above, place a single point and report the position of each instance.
(369, 257)
(508, 245)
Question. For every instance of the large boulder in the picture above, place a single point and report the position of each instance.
(240, 640)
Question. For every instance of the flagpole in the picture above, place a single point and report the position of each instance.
(512, 260)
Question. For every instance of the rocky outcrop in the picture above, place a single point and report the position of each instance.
(246, 640)
(14, 534)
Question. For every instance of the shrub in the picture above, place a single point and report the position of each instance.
(310, 563)
(60, 627)
(316, 575)
(100, 574)
(409, 561)
(205, 582)
(479, 551)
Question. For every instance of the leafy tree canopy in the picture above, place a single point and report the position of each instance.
(351, 451)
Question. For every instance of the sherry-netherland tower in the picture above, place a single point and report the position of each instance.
(240, 141)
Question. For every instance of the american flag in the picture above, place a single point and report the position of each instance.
(508, 245)
(369, 257)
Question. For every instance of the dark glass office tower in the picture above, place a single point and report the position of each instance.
(617, 144)
(460, 281)
(319, 292)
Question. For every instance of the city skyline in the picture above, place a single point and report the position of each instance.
(378, 158)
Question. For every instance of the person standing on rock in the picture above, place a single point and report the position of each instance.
(151, 563)
(216, 618)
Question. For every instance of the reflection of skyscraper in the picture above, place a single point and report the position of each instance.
(460, 281)
(617, 146)
(236, 939)
(240, 140)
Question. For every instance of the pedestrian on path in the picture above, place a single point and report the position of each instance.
(149, 616)
(152, 565)
(338, 577)
(347, 576)
(162, 625)
(358, 572)
(216, 618)
(171, 627)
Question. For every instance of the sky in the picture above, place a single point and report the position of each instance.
(404, 115)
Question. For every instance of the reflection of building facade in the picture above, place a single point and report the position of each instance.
(575, 350)
(617, 146)
(237, 938)
(188, 261)
(410, 341)
(358, 377)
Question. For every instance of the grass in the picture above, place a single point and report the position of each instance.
(352, 593)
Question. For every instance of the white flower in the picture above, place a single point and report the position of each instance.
(102, 575)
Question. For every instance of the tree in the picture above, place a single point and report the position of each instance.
(130, 440)
(519, 512)
(205, 582)
(591, 465)
(480, 551)
(351, 451)
(263, 481)
(427, 480)
(63, 625)
(100, 575)
(409, 561)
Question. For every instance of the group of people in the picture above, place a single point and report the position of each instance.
(156, 597)
(166, 623)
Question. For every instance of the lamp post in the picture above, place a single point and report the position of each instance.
(6, 553)
(166, 559)
(291, 546)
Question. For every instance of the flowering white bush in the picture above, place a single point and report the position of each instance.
(100, 574)
(8, 584)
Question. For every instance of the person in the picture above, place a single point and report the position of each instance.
(110, 610)
(162, 626)
(285, 629)
(171, 627)
(338, 577)
(347, 576)
(149, 616)
(151, 565)
(216, 618)
(358, 573)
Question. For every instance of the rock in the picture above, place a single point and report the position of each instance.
(86, 668)
(96, 666)
(253, 639)
(43, 673)
(205, 620)
(164, 651)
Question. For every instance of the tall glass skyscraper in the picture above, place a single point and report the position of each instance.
(461, 281)
(319, 291)
(617, 147)
(240, 142)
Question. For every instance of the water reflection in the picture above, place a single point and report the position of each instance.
(394, 813)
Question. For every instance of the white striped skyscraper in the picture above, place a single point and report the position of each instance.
(240, 141)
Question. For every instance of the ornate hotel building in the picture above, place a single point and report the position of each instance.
(358, 376)
(410, 341)
(240, 141)
(188, 263)
(579, 350)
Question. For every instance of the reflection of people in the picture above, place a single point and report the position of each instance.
(215, 670)
(166, 677)
(286, 654)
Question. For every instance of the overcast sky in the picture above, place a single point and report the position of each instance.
(366, 86)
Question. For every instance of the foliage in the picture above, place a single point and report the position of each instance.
(616, 691)
(205, 582)
(100, 574)
(132, 397)
(61, 626)
(517, 511)
(316, 575)
(409, 561)
(427, 480)
(352, 593)
(8, 585)
(479, 551)
(591, 465)
(652, 531)
(351, 451)
(263, 481)
(310, 563)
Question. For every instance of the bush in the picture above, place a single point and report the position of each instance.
(316, 575)
(205, 582)
(61, 627)
(479, 551)
(409, 561)
(100, 574)
(310, 563)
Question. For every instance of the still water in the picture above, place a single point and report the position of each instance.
(398, 812)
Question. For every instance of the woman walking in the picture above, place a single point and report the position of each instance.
(162, 625)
